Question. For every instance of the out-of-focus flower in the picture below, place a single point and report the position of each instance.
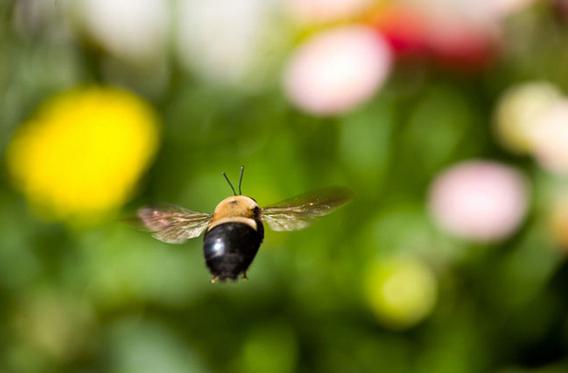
(481, 201)
(82, 153)
(337, 70)
(316, 11)
(559, 219)
(405, 31)
(519, 112)
(143, 345)
(136, 30)
(550, 138)
(459, 34)
(401, 292)
(449, 39)
(533, 118)
(224, 41)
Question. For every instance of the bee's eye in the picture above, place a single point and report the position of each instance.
(256, 211)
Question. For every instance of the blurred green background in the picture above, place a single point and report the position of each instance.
(108, 106)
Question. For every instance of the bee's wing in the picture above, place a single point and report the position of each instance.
(173, 224)
(298, 212)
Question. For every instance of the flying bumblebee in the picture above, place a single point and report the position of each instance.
(235, 230)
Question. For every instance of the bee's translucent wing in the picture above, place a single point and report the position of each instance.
(173, 224)
(298, 212)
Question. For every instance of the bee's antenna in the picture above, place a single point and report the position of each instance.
(230, 184)
(241, 178)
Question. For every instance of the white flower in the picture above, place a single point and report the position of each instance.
(222, 40)
(550, 138)
(519, 111)
(130, 29)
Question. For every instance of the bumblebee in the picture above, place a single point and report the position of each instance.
(235, 230)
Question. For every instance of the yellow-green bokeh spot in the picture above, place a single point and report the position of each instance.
(400, 292)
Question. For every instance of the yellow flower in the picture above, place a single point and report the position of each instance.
(82, 153)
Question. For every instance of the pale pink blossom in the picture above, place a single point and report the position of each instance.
(482, 201)
(337, 70)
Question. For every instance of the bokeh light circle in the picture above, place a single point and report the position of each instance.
(518, 112)
(558, 219)
(80, 156)
(482, 201)
(400, 292)
(223, 42)
(136, 30)
(550, 138)
(337, 70)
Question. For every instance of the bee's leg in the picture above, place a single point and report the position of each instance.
(213, 279)
(245, 277)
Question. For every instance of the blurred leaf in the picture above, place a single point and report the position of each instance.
(439, 130)
(142, 346)
(120, 266)
(269, 348)
(365, 144)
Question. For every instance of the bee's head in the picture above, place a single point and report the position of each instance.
(237, 205)
(242, 206)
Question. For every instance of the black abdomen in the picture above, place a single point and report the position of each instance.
(230, 248)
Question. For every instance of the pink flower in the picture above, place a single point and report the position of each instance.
(337, 70)
(448, 39)
(464, 34)
(482, 201)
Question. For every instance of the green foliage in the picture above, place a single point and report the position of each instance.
(110, 298)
